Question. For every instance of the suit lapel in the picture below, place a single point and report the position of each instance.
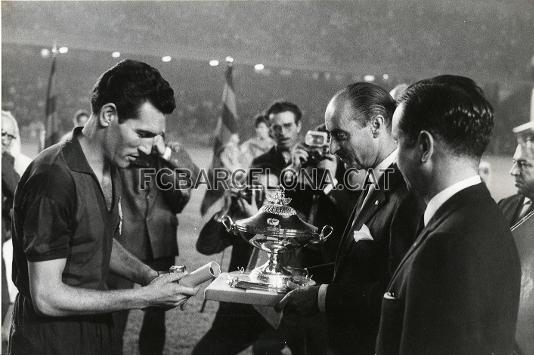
(441, 214)
(439, 217)
(418, 241)
(279, 158)
(372, 204)
(364, 210)
(348, 228)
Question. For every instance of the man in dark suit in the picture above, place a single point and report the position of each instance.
(519, 205)
(381, 228)
(149, 208)
(457, 289)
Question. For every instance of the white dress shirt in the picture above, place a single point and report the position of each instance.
(440, 198)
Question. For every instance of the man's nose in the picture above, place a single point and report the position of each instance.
(515, 171)
(146, 145)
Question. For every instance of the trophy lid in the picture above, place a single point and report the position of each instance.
(276, 218)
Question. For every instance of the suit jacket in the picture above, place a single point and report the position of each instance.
(363, 268)
(149, 213)
(511, 207)
(457, 289)
(273, 160)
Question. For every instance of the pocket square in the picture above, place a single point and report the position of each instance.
(363, 234)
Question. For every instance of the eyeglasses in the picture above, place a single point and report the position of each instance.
(10, 136)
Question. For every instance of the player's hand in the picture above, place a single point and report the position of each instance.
(329, 163)
(299, 156)
(250, 209)
(165, 291)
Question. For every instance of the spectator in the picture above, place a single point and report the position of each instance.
(517, 206)
(259, 144)
(13, 165)
(79, 120)
(230, 155)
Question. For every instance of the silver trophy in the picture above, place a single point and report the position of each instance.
(276, 229)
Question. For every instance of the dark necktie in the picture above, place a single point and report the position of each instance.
(525, 209)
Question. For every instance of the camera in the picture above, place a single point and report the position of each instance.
(317, 144)
(246, 193)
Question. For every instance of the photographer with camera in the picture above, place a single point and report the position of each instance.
(321, 198)
(293, 162)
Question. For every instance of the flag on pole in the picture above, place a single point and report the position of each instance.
(226, 126)
(51, 127)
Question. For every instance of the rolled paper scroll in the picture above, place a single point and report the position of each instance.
(204, 273)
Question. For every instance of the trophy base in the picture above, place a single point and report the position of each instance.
(236, 287)
(281, 279)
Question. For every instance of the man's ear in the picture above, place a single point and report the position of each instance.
(425, 144)
(299, 126)
(107, 115)
(376, 123)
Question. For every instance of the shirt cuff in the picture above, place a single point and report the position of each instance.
(321, 297)
(167, 154)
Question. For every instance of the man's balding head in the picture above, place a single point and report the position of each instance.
(359, 120)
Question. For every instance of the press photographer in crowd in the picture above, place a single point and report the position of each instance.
(293, 161)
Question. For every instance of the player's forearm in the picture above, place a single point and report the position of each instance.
(64, 300)
(127, 265)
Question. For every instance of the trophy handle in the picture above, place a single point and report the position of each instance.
(326, 232)
(228, 223)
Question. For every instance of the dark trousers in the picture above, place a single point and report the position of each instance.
(152, 335)
(32, 333)
(237, 326)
